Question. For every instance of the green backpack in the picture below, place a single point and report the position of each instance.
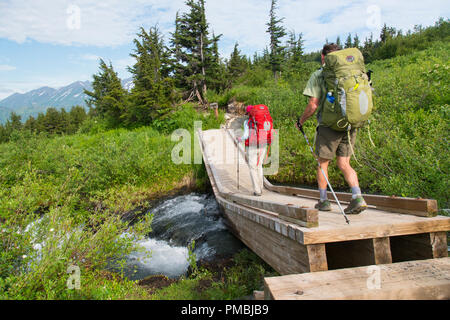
(349, 95)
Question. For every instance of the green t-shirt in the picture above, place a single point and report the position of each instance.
(316, 88)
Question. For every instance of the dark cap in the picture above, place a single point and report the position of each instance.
(330, 47)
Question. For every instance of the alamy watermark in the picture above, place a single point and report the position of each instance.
(374, 17)
(74, 280)
(73, 21)
(374, 280)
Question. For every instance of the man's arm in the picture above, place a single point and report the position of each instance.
(310, 109)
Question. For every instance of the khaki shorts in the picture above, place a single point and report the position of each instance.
(330, 143)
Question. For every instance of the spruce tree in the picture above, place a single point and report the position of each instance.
(368, 49)
(64, 119)
(30, 124)
(356, 43)
(152, 95)
(108, 98)
(40, 123)
(193, 50)
(52, 121)
(237, 64)
(348, 42)
(4, 136)
(216, 73)
(176, 60)
(338, 41)
(277, 32)
(387, 33)
(77, 116)
(295, 50)
(14, 122)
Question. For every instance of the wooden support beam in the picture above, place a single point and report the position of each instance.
(382, 250)
(412, 280)
(306, 217)
(317, 257)
(285, 255)
(418, 207)
(439, 244)
(258, 295)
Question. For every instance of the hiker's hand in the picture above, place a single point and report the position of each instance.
(299, 125)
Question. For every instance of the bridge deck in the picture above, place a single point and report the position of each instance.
(424, 280)
(383, 235)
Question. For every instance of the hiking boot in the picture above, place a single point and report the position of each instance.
(356, 206)
(324, 205)
(257, 194)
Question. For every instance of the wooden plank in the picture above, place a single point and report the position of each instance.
(424, 279)
(382, 250)
(418, 207)
(306, 217)
(384, 226)
(317, 257)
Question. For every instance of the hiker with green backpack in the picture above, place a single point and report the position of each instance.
(342, 96)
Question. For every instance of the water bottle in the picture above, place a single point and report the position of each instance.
(330, 97)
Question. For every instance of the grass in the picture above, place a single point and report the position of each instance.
(67, 200)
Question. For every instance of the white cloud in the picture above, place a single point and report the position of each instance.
(5, 67)
(90, 57)
(319, 20)
(99, 23)
(109, 23)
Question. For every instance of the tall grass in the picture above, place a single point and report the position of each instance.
(410, 127)
(68, 200)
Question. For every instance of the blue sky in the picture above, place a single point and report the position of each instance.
(56, 42)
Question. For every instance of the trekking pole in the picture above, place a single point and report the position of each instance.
(237, 169)
(300, 127)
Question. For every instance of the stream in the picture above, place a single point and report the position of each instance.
(176, 223)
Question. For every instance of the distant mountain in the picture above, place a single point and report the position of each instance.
(64, 97)
(39, 100)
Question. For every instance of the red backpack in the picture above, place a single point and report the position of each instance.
(261, 125)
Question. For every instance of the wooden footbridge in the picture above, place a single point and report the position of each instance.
(310, 248)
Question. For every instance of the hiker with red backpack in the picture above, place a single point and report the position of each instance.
(342, 95)
(258, 137)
